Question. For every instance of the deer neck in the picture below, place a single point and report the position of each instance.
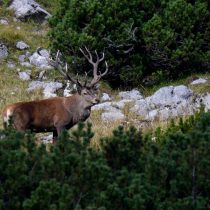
(77, 107)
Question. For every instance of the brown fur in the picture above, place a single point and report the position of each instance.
(51, 115)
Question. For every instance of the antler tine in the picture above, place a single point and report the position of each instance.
(95, 64)
(85, 84)
(68, 76)
(96, 79)
(107, 68)
(89, 56)
(57, 64)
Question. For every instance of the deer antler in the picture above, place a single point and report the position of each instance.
(58, 64)
(89, 57)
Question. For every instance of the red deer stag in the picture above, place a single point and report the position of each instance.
(59, 113)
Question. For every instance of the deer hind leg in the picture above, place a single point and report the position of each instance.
(57, 132)
(20, 121)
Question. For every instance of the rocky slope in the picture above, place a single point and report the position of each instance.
(166, 103)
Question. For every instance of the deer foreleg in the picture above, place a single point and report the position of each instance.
(55, 136)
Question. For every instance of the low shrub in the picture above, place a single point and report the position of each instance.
(131, 171)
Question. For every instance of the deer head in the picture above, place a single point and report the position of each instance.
(88, 91)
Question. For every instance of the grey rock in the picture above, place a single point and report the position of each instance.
(141, 108)
(164, 114)
(49, 88)
(152, 115)
(11, 65)
(169, 96)
(133, 95)
(121, 104)
(27, 54)
(25, 9)
(69, 89)
(4, 22)
(40, 61)
(3, 51)
(44, 53)
(22, 45)
(199, 81)
(113, 116)
(106, 106)
(47, 139)
(26, 64)
(105, 97)
(182, 92)
(21, 58)
(206, 101)
(24, 75)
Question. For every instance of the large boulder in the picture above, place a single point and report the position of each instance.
(141, 108)
(25, 9)
(169, 96)
(130, 95)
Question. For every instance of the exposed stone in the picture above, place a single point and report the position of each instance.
(49, 88)
(141, 108)
(106, 106)
(68, 89)
(133, 95)
(24, 75)
(105, 97)
(112, 116)
(152, 115)
(3, 51)
(26, 64)
(3, 22)
(47, 139)
(206, 101)
(22, 45)
(182, 92)
(169, 96)
(164, 114)
(11, 65)
(121, 104)
(199, 81)
(21, 58)
(40, 61)
(25, 9)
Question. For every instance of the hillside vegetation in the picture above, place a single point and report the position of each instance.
(113, 165)
(161, 40)
(170, 171)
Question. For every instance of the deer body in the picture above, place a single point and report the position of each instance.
(59, 113)
(49, 115)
